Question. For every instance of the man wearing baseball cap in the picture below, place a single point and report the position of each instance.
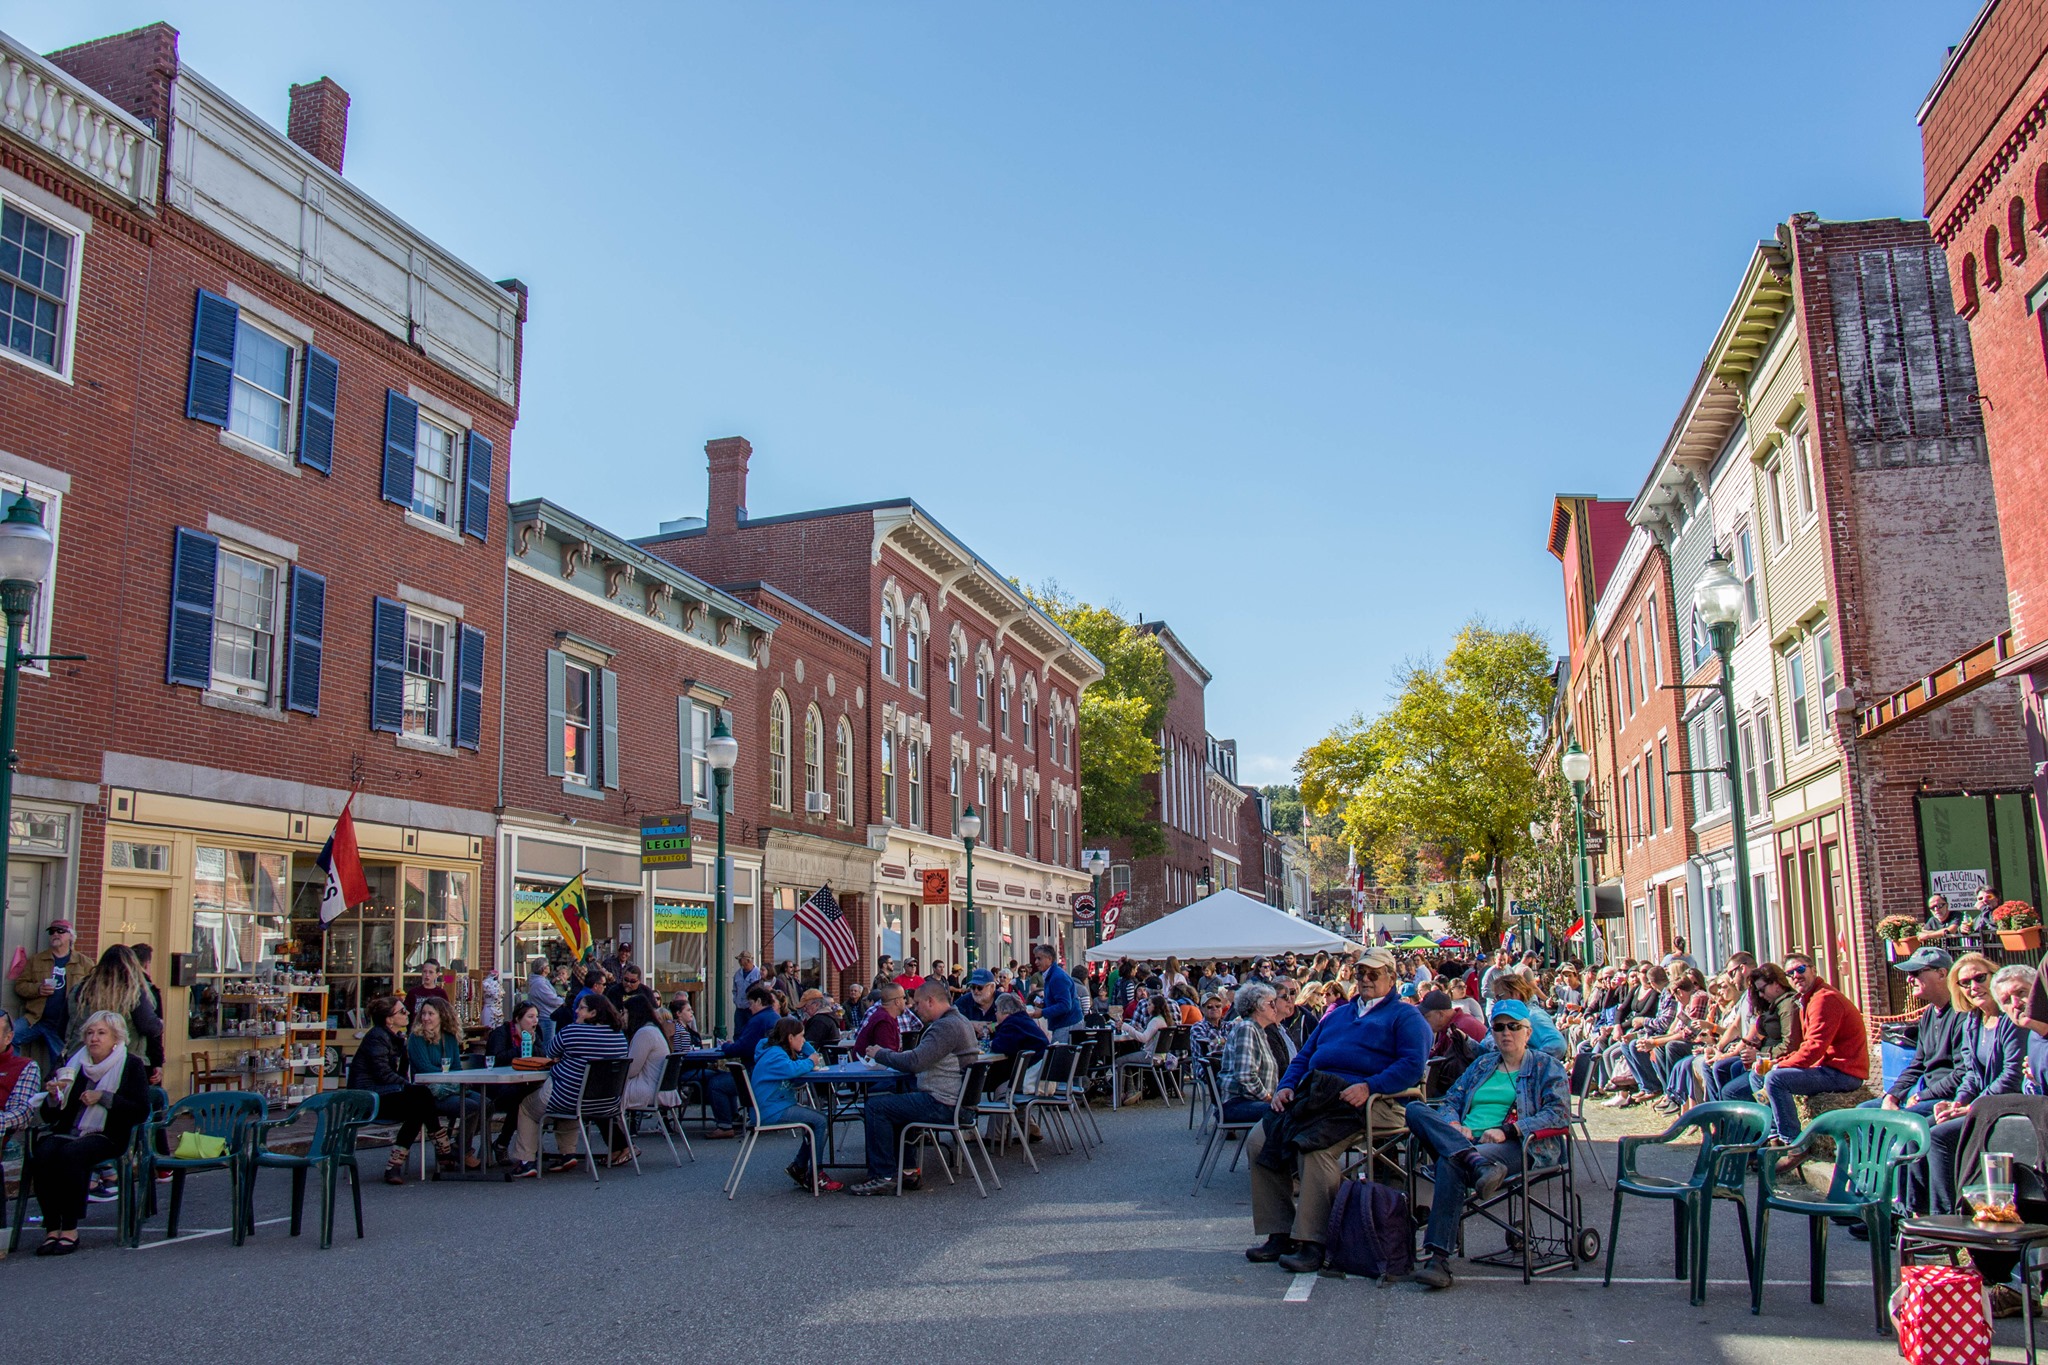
(977, 1003)
(41, 987)
(1935, 1071)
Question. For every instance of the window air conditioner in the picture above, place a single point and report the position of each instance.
(817, 803)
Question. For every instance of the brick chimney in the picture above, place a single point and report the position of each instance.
(319, 120)
(729, 456)
(134, 69)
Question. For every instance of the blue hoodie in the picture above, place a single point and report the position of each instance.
(774, 1070)
(756, 1028)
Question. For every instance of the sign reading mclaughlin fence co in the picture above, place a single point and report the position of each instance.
(664, 842)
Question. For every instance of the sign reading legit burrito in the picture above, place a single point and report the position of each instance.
(665, 842)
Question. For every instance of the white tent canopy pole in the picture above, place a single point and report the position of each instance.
(1226, 924)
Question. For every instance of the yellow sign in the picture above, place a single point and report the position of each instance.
(680, 917)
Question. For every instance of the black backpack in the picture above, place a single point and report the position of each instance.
(1371, 1231)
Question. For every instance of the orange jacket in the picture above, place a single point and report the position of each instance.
(1831, 1034)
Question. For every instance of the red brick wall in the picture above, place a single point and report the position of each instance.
(1994, 85)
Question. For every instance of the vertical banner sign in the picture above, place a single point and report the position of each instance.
(938, 885)
(664, 842)
(1111, 913)
(1084, 911)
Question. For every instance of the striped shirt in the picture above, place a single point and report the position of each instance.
(575, 1047)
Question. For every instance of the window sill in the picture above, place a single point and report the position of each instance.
(36, 365)
(413, 518)
(220, 702)
(579, 789)
(262, 454)
(424, 746)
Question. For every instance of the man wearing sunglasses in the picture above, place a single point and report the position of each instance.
(1934, 1073)
(1377, 1047)
(1833, 1056)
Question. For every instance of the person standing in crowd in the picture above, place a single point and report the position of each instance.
(1061, 1008)
(45, 1003)
(116, 984)
(1832, 1056)
(616, 962)
(540, 989)
(1377, 1048)
(428, 987)
(943, 1048)
(745, 977)
(786, 981)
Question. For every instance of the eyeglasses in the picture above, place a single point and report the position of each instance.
(1800, 970)
(1508, 1025)
(1977, 980)
(1372, 973)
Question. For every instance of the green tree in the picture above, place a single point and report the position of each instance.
(1446, 777)
(1286, 803)
(1119, 717)
(1543, 874)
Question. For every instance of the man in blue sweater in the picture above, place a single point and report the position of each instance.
(721, 1090)
(1061, 1008)
(1379, 1046)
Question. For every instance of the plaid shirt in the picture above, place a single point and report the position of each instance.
(1249, 1071)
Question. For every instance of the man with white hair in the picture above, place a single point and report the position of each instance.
(1376, 1048)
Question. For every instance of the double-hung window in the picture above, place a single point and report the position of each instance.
(955, 786)
(913, 658)
(245, 616)
(1003, 705)
(913, 782)
(429, 680)
(256, 375)
(1008, 843)
(261, 409)
(814, 756)
(583, 721)
(1795, 688)
(694, 721)
(1030, 824)
(887, 640)
(888, 776)
(434, 472)
(1745, 565)
(844, 771)
(1824, 653)
(778, 752)
(246, 625)
(1799, 450)
(953, 679)
(38, 288)
(1024, 720)
(981, 695)
(579, 711)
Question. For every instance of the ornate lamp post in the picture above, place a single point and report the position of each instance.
(1535, 917)
(1096, 863)
(1577, 766)
(969, 829)
(722, 751)
(1718, 598)
(25, 552)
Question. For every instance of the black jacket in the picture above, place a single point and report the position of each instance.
(1937, 1056)
(126, 1107)
(1315, 1120)
(380, 1064)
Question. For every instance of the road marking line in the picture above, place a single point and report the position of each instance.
(1298, 1292)
(222, 1232)
(1649, 1279)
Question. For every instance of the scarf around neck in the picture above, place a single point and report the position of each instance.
(94, 1076)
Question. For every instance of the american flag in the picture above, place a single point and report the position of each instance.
(820, 914)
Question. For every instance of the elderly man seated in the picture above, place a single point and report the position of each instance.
(1479, 1129)
(1358, 1059)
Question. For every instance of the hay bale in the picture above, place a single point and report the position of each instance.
(1810, 1107)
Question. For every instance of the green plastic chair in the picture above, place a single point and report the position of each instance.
(1872, 1146)
(231, 1115)
(134, 1191)
(1729, 1131)
(338, 1115)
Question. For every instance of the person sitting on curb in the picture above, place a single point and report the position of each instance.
(1833, 1054)
(1938, 1045)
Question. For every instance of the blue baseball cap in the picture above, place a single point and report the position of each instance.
(981, 976)
(1512, 1009)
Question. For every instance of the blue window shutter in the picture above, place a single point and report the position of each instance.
(210, 388)
(401, 441)
(387, 679)
(194, 557)
(558, 713)
(469, 697)
(316, 410)
(476, 496)
(308, 627)
(608, 692)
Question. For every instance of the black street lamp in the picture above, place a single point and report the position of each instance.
(1096, 863)
(25, 552)
(969, 829)
(1718, 598)
(721, 752)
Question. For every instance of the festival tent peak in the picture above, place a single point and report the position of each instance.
(1223, 924)
(1419, 941)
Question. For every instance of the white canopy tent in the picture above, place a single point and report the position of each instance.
(1225, 924)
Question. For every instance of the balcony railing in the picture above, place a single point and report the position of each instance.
(48, 110)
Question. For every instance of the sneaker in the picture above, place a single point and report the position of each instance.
(522, 1170)
(1305, 1259)
(1435, 1273)
(1272, 1249)
(559, 1164)
(800, 1173)
(827, 1185)
(879, 1185)
(102, 1194)
(2005, 1301)
(1490, 1176)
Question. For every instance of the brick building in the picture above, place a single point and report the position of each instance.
(1164, 882)
(1986, 165)
(243, 370)
(967, 696)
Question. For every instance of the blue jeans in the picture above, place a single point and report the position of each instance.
(1924, 1108)
(1674, 1070)
(1729, 1079)
(1784, 1082)
(885, 1117)
(803, 1113)
(1642, 1064)
(1447, 1200)
(1245, 1110)
(26, 1034)
(1940, 1166)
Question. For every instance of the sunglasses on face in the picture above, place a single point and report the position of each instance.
(1797, 971)
(1371, 973)
(1508, 1025)
(1968, 981)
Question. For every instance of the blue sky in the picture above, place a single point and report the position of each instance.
(1280, 321)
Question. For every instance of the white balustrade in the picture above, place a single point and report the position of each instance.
(47, 111)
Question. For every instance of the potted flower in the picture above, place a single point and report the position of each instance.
(1902, 932)
(2018, 925)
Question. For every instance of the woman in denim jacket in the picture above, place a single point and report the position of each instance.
(1477, 1131)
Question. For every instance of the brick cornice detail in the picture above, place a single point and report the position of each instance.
(63, 187)
(2029, 127)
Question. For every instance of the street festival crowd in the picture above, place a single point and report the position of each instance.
(1469, 1055)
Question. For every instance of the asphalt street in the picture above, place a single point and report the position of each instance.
(1109, 1259)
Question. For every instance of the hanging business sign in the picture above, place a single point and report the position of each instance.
(664, 842)
(1084, 911)
(681, 917)
(938, 885)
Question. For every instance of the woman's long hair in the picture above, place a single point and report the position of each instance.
(114, 984)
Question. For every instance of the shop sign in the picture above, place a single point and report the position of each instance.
(1596, 842)
(938, 885)
(1960, 885)
(681, 917)
(1084, 911)
(664, 842)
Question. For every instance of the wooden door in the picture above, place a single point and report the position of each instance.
(131, 915)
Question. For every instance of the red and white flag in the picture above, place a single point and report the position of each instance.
(1578, 927)
(346, 886)
(821, 915)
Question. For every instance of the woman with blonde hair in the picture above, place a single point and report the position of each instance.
(1993, 1054)
(92, 1104)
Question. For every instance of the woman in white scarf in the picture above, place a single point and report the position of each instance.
(93, 1103)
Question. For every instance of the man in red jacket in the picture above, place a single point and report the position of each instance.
(1833, 1052)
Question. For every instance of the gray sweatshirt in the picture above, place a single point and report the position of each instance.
(946, 1043)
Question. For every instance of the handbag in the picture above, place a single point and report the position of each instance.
(199, 1147)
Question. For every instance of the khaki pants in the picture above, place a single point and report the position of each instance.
(1306, 1218)
(526, 1144)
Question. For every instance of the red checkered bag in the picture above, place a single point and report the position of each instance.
(1942, 1316)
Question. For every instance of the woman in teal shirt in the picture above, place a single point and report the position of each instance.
(1479, 1130)
(435, 1044)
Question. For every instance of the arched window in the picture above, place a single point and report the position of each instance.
(2041, 198)
(887, 639)
(913, 781)
(843, 798)
(1966, 306)
(1994, 275)
(2016, 230)
(981, 693)
(913, 657)
(888, 776)
(778, 752)
(814, 755)
(1003, 706)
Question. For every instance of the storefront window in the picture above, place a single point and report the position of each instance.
(892, 931)
(360, 962)
(682, 930)
(793, 942)
(239, 922)
(436, 916)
